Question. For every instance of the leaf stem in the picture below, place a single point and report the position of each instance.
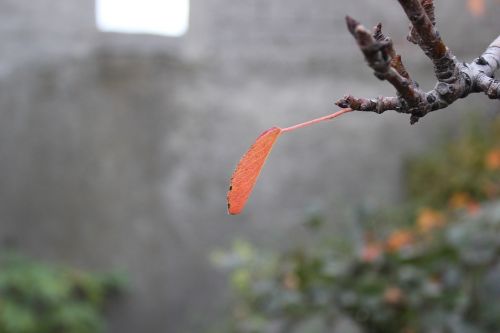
(315, 121)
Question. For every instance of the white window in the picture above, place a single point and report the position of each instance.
(160, 17)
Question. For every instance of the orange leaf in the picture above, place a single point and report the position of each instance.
(248, 170)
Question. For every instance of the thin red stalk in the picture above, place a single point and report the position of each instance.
(317, 120)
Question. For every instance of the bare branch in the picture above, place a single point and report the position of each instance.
(380, 55)
(485, 66)
(423, 28)
(395, 61)
(378, 105)
(423, 32)
(492, 57)
(429, 10)
(455, 80)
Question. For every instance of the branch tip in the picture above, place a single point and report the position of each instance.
(351, 24)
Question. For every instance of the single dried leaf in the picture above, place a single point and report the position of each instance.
(476, 7)
(248, 170)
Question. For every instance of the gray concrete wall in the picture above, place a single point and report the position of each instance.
(116, 150)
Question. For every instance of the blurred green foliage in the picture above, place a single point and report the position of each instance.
(431, 267)
(41, 298)
(467, 163)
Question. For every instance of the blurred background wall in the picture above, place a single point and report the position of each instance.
(116, 149)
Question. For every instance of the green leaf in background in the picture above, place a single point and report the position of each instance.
(42, 298)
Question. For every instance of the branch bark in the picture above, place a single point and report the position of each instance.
(455, 79)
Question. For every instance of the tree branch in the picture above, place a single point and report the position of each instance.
(455, 80)
(484, 67)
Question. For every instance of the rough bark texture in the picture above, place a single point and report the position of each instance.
(455, 79)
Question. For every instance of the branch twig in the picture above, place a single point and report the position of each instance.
(455, 80)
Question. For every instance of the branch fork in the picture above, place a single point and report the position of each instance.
(454, 79)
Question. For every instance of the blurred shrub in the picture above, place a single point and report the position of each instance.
(460, 171)
(42, 298)
(435, 274)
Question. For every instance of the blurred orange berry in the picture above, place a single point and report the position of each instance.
(493, 159)
(291, 281)
(371, 252)
(393, 296)
(459, 200)
(462, 200)
(476, 7)
(473, 207)
(491, 190)
(429, 219)
(398, 240)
